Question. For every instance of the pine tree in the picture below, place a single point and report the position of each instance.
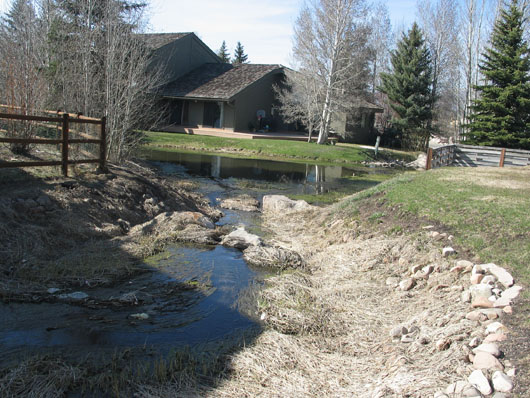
(223, 53)
(239, 54)
(501, 114)
(408, 87)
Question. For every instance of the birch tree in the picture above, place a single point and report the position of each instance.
(23, 83)
(330, 43)
(440, 22)
(300, 97)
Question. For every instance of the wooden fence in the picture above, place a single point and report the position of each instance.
(474, 156)
(63, 122)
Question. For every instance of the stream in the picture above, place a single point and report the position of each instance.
(190, 296)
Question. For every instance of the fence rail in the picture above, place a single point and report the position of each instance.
(474, 156)
(62, 121)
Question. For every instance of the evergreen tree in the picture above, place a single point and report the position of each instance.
(409, 90)
(239, 54)
(223, 53)
(501, 114)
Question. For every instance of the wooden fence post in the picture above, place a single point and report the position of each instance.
(503, 155)
(66, 128)
(103, 145)
(429, 159)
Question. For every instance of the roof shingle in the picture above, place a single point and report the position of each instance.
(156, 40)
(217, 81)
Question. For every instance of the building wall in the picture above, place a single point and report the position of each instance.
(196, 111)
(182, 56)
(255, 97)
(358, 129)
(229, 116)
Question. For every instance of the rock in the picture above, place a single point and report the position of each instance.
(489, 280)
(392, 281)
(495, 337)
(481, 302)
(280, 203)
(511, 372)
(457, 388)
(428, 269)
(476, 316)
(480, 291)
(440, 394)
(492, 313)
(448, 251)
(242, 202)
(480, 382)
(424, 340)
(502, 302)
(475, 342)
(414, 269)
(435, 235)
(443, 344)
(512, 292)
(273, 257)
(407, 284)
(464, 264)
(504, 277)
(465, 297)
(477, 269)
(407, 338)
(476, 278)
(495, 327)
(486, 361)
(508, 309)
(142, 316)
(197, 234)
(427, 227)
(490, 348)
(501, 382)
(471, 392)
(398, 331)
(499, 395)
(76, 296)
(53, 290)
(241, 239)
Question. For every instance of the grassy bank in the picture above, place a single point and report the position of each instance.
(486, 209)
(269, 149)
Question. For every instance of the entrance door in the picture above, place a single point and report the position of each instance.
(211, 115)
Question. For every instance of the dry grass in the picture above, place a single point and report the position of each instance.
(39, 378)
(329, 328)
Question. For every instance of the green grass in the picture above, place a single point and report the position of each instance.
(487, 210)
(269, 149)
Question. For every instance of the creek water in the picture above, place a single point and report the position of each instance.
(191, 295)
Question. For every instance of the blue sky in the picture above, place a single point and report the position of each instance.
(264, 27)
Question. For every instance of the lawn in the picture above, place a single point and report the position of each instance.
(269, 149)
(486, 209)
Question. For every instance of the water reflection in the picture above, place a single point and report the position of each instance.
(301, 178)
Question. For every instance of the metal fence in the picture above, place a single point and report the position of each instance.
(474, 156)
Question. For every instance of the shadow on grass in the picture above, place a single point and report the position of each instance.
(83, 313)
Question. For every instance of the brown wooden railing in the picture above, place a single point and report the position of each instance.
(63, 121)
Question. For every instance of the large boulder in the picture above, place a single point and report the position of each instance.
(241, 239)
(272, 257)
(242, 202)
(281, 203)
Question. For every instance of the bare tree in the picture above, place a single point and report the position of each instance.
(299, 97)
(381, 39)
(98, 66)
(440, 22)
(330, 43)
(23, 84)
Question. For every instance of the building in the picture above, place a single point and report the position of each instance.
(201, 91)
